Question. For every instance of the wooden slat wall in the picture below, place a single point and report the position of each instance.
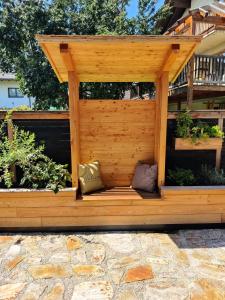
(118, 134)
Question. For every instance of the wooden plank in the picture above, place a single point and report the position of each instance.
(186, 198)
(216, 20)
(8, 212)
(131, 220)
(36, 202)
(116, 39)
(207, 144)
(37, 115)
(112, 221)
(130, 210)
(74, 125)
(223, 218)
(20, 222)
(163, 102)
(192, 190)
(26, 193)
(200, 114)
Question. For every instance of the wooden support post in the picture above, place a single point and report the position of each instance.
(157, 117)
(190, 79)
(74, 125)
(162, 127)
(74, 114)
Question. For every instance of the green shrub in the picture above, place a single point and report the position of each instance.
(181, 177)
(210, 176)
(38, 170)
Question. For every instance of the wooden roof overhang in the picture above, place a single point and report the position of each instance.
(117, 58)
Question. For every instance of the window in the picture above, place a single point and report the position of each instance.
(14, 93)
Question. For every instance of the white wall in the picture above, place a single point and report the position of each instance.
(5, 101)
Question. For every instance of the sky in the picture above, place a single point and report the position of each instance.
(132, 8)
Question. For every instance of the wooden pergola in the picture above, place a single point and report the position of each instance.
(157, 59)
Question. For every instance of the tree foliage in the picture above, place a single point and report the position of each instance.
(20, 20)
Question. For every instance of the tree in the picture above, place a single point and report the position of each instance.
(20, 20)
(145, 18)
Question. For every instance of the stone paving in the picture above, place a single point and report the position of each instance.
(187, 264)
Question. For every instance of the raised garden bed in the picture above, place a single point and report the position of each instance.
(201, 144)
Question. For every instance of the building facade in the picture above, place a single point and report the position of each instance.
(10, 94)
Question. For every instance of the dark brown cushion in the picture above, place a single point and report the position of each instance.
(145, 177)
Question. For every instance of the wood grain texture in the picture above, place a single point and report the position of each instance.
(118, 134)
(117, 207)
(117, 58)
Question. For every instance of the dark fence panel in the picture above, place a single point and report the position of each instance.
(54, 133)
(189, 159)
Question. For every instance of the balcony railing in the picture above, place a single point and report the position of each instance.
(208, 70)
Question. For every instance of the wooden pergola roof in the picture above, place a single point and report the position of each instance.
(117, 58)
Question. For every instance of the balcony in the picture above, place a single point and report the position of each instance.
(206, 78)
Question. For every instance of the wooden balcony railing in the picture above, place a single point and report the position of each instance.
(208, 70)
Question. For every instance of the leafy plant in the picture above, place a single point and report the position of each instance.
(215, 131)
(187, 129)
(45, 174)
(181, 177)
(38, 170)
(184, 125)
(210, 176)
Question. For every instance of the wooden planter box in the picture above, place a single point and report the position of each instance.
(202, 144)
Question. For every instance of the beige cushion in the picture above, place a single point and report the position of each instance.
(89, 177)
(145, 177)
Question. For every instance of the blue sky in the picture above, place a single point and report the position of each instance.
(132, 9)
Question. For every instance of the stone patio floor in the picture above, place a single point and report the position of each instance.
(186, 264)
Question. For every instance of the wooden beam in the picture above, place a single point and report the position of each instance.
(37, 115)
(68, 60)
(170, 58)
(74, 125)
(49, 57)
(201, 114)
(163, 108)
(216, 20)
